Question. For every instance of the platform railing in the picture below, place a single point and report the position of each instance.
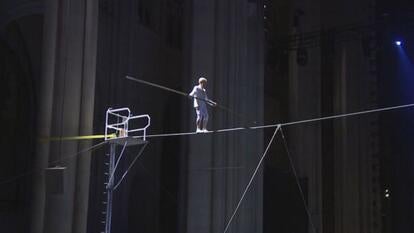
(117, 122)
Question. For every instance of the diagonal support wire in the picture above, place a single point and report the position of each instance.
(251, 179)
(302, 195)
(60, 160)
(116, 165)
(130, 166)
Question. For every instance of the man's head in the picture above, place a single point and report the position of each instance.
(202, 81)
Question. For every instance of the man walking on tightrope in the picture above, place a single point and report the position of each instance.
(200, 99)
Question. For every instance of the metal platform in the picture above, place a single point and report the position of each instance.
(131, 141)
(118, 122)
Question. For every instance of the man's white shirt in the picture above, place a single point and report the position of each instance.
(200, 93)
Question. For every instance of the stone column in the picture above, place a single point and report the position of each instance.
(305, 103)
(44, 116)
(226, 47)
(88, 74)
(199, 181)
(66, 109)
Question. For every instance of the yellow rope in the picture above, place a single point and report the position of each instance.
(73, 138)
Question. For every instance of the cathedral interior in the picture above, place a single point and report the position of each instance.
(329, 81)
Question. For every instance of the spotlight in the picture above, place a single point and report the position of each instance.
(398, 43)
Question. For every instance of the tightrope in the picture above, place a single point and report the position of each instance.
(281, 124)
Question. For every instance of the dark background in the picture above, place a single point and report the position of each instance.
(152, 195)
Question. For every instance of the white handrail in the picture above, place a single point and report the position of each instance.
(144, 129)
(121, 126)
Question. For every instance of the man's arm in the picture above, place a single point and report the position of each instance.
(192, 93)
(210, 102)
